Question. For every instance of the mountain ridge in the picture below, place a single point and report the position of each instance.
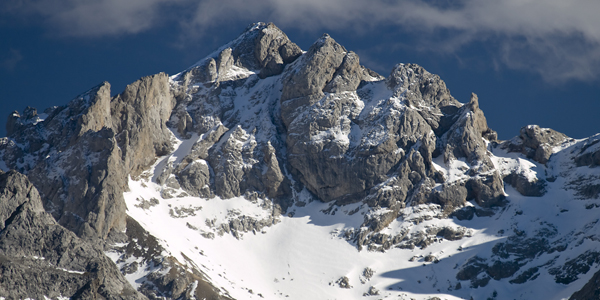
(270, 130)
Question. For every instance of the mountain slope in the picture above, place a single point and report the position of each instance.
(265, 171)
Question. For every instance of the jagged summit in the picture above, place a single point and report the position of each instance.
(351, 183)
(262, 48)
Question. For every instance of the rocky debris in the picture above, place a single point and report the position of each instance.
(452, 234)
(473, 270)
(508, 258)
(173, 280)
(408, 238)
(536, 143)
(42, 259)
(571, 270)
(366, 275)
(240, 224)
(431, 258)
(372, 292)
(344, 282)
(147, 204)
(529, 274)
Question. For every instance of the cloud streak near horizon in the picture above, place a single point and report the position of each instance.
(559, 40)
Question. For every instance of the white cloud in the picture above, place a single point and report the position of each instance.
(558, 39)
(92, 18)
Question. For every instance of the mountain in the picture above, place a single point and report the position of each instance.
(267, 172)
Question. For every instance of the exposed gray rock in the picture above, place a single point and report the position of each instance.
(229, 162)
(314, 70)
(535, 142)
(465, 137)
(487, 190)
(196, 179)
(525, 186)
(41, 258)
(422, 88)
(273, 177)
(139, 116)
(347, 76)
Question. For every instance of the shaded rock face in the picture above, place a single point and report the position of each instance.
(591, 290)
(40, 258)
(589, 154)
(80, 155)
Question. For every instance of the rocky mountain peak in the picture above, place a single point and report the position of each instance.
(260, 133)
(262, 48)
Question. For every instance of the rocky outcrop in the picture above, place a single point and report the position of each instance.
(40, 258)
(536, 143)
(80, 155)
(139, 117)
(526, 186)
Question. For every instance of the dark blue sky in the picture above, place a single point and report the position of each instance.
(530, 62)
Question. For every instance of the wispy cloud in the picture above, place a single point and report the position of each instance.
(85, 18)
(558, 39)
(11, 59)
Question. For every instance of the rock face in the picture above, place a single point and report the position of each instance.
(39, 258)
(79, 157)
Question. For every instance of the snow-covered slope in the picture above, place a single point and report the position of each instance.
(268, 172)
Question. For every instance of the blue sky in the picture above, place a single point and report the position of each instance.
(530, 61)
